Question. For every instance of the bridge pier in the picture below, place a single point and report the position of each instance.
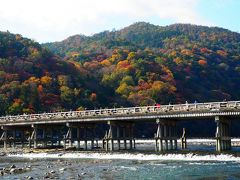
(14, 138)
(4, 137)
(84, 132)
(166, 136)
(184, 139)
(43, 135)
(11, 136)
(34, 137)
(78, 138)
(108, 138)
(51, 136)
(22, 138)
(69, 136)
(223, 136)
(120, 132)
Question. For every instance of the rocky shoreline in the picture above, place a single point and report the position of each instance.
(26, 169)
(13, 169)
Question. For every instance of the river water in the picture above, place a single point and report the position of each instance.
(191, 164)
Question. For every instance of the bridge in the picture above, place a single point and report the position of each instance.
(46, 129)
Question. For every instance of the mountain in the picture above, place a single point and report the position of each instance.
(145, 64)
(33, 79)
(141, 64)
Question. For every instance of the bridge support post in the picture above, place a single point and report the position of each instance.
(92, 138)
(124, 139)
(223, 137)
(118, 138)
(59, 142)
(97, 143)
(110, 137)
(78, 138)
(158, 137)
(109, 143)
(171, 135)
(134, 143)
(69, 135)
(85, 138)
(64, 142)
(51, 135)
(34, 136)
(104, 141)
(4, 137)
(5, 142)
(29, 142)
(175, 140)
(165, 131)
(131, 131)
(22, 138)
(44, 143)
(14, 138)
(184, 139)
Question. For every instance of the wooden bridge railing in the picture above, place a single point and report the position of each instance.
(159, 109)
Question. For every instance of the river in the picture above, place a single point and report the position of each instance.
(198, 162)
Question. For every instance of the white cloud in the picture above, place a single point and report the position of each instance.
(50, 20)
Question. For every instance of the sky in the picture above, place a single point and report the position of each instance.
(55, 20)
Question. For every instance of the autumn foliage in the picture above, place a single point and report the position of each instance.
(139, 65)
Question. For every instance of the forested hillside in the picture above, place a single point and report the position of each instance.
(142, 64)
(145, 63)
(33, 80)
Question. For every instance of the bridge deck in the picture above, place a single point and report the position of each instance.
(146, 113)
